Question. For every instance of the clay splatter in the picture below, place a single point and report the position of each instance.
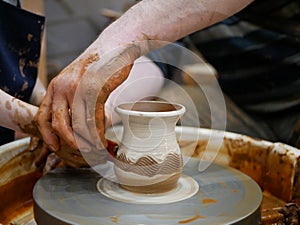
(8, 105)
(208, 200)
(192, 219)
(114, 219)
(92, 58)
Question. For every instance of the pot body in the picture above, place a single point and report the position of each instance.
(149, 159)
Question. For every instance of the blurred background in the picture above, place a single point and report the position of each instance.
(71, 26)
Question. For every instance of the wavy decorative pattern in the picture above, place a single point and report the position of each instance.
(147, 166)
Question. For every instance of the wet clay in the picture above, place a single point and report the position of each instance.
(291, 212)
(265, 162)
(209, 200)
(8, 105)
(89, 60)
(23, 121)
(16, 196)
(192, 219)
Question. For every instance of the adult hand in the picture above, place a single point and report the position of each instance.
(48, 160)
(74, 103)
(73, 108)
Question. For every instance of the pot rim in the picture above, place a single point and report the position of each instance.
(175, 109)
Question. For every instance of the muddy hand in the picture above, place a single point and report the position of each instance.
(73, 108)
(46, 160)
(88, 116)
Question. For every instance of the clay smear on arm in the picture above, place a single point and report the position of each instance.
(23, 118)
(89, 60)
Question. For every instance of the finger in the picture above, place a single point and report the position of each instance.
(80, 127)
(61, 121)
(84, 145)
(41, 160)
(96, 124)
(112, 83)
(43, 121)
(34, 143)
(72, 160)
(118, 78)
(88, 155)
(52, 161)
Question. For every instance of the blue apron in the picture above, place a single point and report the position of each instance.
(20, 44)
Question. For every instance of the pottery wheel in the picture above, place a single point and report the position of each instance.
(70, 196)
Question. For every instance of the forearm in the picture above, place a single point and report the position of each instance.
(167, 21)
(17, 115)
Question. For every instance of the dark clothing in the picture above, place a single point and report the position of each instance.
(257, 54)
(20, 43)
(257, 57)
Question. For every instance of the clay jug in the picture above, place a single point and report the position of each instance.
(149, 159)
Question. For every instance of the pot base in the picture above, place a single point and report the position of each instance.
(185, 188)
(159, 187)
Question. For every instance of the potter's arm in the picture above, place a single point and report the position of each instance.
(167, 21)
(16, 114)
(19, 116)
(151, 24)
